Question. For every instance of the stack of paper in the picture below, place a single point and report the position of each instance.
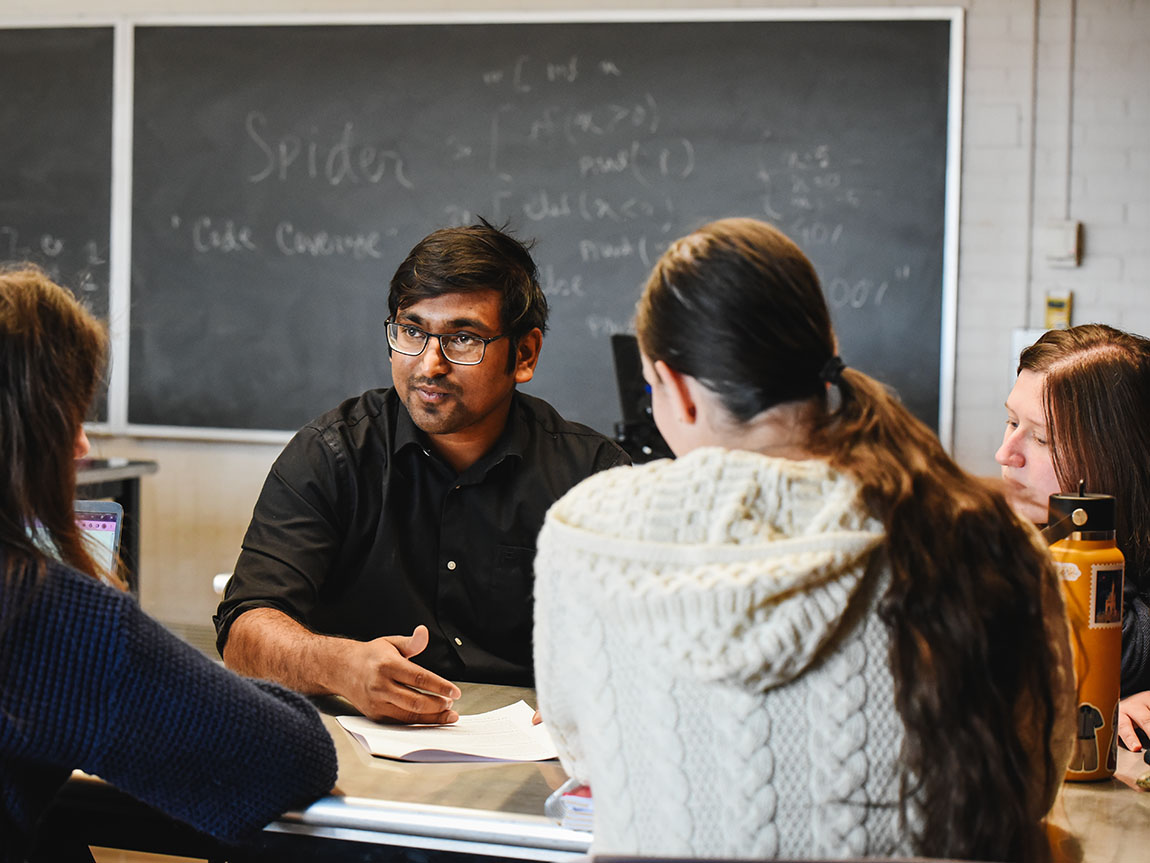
(505, 734)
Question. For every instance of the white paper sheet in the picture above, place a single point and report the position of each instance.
(505, 734)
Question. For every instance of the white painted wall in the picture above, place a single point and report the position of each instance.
(1056, 126)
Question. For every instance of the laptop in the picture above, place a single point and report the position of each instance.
(100, 523)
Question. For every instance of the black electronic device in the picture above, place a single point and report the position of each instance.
(636, 432)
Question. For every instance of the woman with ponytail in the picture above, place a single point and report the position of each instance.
(87, 680)
(812, 634)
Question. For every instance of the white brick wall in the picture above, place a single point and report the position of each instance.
(1016, 114)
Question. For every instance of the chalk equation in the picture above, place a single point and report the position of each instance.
(78, 264)
(800, 187)
(526, 73)
(540, 205)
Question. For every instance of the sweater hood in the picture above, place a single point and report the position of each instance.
(750, 561)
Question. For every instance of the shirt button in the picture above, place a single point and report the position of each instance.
(458, 641)
(451, 564)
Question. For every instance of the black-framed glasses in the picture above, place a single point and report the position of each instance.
(463, 349)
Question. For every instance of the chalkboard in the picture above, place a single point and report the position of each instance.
(56, 157)
(282, 172)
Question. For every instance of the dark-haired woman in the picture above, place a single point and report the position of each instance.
(812, 634)
(87, 681)
(1080, 410)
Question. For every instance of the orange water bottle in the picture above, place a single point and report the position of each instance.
(1091, 566)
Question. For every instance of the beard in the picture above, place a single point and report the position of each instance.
(444, 414)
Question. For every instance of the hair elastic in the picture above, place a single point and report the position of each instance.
(832, 372)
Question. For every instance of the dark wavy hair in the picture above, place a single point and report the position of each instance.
(52, 355)
(1096, 400)
(738, 306)
(474, 258)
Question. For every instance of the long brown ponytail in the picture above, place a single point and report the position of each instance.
(966, 610)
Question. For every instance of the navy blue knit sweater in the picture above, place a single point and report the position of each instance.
(88, 681)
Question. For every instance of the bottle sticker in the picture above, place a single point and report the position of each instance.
(1106, 596)
(1067, 571)
(1084, 759)
(1112, 752)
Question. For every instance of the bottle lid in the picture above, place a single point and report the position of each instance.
(1086, 512)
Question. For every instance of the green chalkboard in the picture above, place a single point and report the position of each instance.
(56, 157)
(280, 173)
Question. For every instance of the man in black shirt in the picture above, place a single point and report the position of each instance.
(415, 509)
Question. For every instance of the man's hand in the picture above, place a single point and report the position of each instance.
(1133, 712)
(378, 676)
(383, 683)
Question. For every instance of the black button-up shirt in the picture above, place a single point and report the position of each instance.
(362, 531)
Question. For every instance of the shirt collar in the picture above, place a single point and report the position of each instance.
(512, 441)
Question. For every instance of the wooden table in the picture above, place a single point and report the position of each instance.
(1103, 822)
(382, 806)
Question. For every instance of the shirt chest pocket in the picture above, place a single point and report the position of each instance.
(504, 594)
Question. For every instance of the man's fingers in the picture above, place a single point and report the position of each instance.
(1134, 720)
(408, 717)
(408, 674)
(410, 700)
(411, 645)
(1126, 733)
(403, 704)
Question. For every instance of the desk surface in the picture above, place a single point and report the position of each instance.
(497, 808)
(500, 806)
(480, 807)
(1103, 822)
(94, 470)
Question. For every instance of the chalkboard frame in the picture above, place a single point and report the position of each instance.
(118, 423)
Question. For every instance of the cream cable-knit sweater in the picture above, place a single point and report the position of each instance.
(708, 658)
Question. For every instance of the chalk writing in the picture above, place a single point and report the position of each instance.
(526, 72)
(600, 326)
(225, 236)
(596, 121)
(592, 165)
(320, 244)
(842, 293)
(593, 251)
(334, 161)
(597, 208)
(542, 205)
(13, 251)
(647, 163)
(807, 183)
(229, 236)
(455, 216)
(807, 232)
(71, 263)
(673, 160)
(560, 286)
(567, 71)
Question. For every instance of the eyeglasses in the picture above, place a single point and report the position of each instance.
(462, 349)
